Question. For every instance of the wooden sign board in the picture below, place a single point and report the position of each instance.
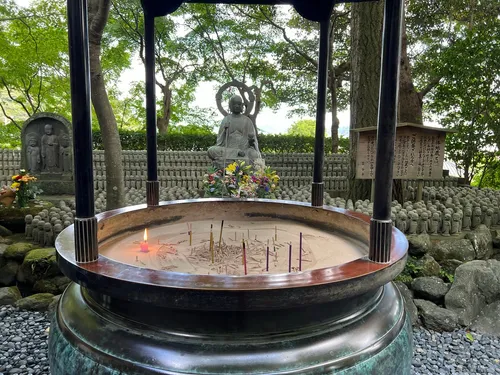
(418, 152)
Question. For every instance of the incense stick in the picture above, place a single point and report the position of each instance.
(300, 252)
(244, 257)
(220, 237)
(290, 258)
(212, 242)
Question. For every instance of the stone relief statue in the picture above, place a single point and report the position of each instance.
(50, 150)
(237, 139)
(33, 151)
(65, 159)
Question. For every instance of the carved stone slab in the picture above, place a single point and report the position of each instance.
(418, 152)
(47, 152)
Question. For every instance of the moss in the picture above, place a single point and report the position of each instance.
(38, 264)
(18, 250)
(9, 295)
(38, 302)
(15, 216)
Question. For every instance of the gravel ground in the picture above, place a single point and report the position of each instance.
(23, 348)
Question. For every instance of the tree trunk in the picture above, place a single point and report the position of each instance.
(410, 102)
(98, 16)
(164, 120)
(366, 38)
(332, 86)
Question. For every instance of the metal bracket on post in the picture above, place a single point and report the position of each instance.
(317, 192)
(380, 240)
(152, 193)
(86, 248)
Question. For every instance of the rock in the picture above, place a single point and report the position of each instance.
(450, 265)
(53, 305)
(2, 250)
(36, 302)
(453, 249)
(7, 241)
(8, 273)
(476, 284)
(435, 317)
(481, 242)
(9, 295)
(487, 322)
(430, 288)
(427, 266)
(18, 251)
(4, 232)
(37, 265)
(410, 307)
(419, 244)
(54, 285)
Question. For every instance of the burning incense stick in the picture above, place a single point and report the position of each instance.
(276, 233)
(244, 257)
(267, 258)
(300, 252)
(290, 258)
(212, 242)
(190, 232)
(220, 237)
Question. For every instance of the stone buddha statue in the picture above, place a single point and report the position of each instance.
(237, 139)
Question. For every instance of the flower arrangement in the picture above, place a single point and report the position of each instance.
(22, 190)
(241, 180)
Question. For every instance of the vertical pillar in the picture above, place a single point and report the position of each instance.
(152, 184)
(318, 186)
(86, 249)
(381, 224)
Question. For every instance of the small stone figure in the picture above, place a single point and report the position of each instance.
(424, 223)
(34, 231)
(41, 232)
(65, 159)
(488, 217)
(413, 223)
(28, 229)
(434, 227)
(467, 221)
(50, 150)
(455, 224)
(57, 229)
(401, 221)
(476, 217)
(48, 238)
(446, 225)
(33, 153)
(237, 139)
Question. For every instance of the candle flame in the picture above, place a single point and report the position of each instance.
(145, 235)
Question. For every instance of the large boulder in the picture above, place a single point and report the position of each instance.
(418, 244)
(453, 249)
(36, 302)
(9, 295)
(427, 266)
(54, 285)
(8, 273)
(4, 232)
(481, 241)
(18, 251)
(450, 265)
(435, 317)
(430, 288)
(410, 307)
(487, 322)
(476, 284)
(37, 265)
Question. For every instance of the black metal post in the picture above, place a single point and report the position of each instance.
(152, 185)
(381, 225)
(86, 249)
(318, 186)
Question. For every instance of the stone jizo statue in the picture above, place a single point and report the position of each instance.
(476, 217)
(434, 227)
(65, 159)
(29, 227)
(50, 150)
(237, 139)
(455, 224)
(446, 225)
(488, 217)
(33, 153)
(424, 223)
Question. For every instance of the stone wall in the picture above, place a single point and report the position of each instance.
(186, 169)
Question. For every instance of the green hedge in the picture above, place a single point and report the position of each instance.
(268, 143)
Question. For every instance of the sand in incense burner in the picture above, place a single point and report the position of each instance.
(169, 247)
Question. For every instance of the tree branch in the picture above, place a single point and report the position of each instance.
(10, 118)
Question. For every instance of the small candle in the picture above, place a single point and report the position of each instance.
(300, 252)
(144, 244)
(290, 258)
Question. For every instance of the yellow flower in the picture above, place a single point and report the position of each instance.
(231, 167)
(15, 185)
